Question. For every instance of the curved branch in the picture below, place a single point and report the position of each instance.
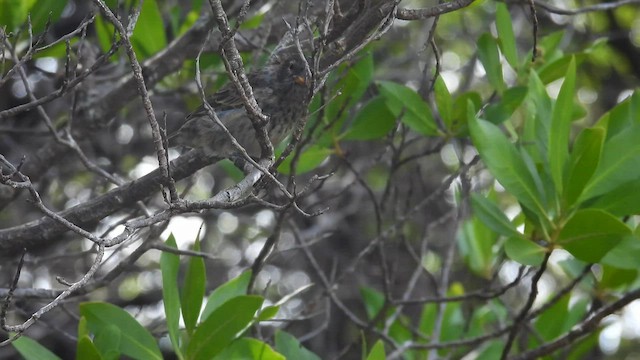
(45, 231)
(421, 14)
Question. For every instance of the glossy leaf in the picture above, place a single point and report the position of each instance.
(561, 127)
(14, 13)
(625, 255)
(249, 349)
(373, 301)
(43, 11)
(226, 291)
(502, 110)
(86, 349)
(614, 277)
(619, 118)
(373, 121)
(268, 312)
(583, 161)
(476, 242)
(222, 326)
(193, 290)
(104, 32)
(463, 106)
(491, 216)
(136, 342)
(148, 36)
(32, 350)
(620, 163)
(506, 164)
(354, 80)
(404, 101)
(491, 350)
(83, 328)
(539, 108)
(622, 201)
(506, 38)
(444, 101)
(589, 234)
(377, 351)
(107, 341)
(170, 265)
(490, 59)
(555, 69)
(524, 251)
(310, 159)
(551, 323)
(290, 347)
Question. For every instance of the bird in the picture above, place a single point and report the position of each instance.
(281, 89)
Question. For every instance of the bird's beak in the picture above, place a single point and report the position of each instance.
(300, 80)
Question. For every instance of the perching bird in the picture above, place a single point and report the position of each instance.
(282, 90)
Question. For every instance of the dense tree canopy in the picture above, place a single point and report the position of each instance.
(465, 185)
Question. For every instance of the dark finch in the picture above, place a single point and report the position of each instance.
(281, 88)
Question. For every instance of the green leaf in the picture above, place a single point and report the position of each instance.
(589, 234)
(193, 289)
(620, 163)
(619, 118)
(43, 10)
(476, 242)
(352, 85)
(428, 319)
(222, 326)
(86, 349)
(507, 164)
(136, 341)
(290, 347)
(377, 351)
(149, 36)
(464, 105)
(583, 161)
(492, 350)
(223, 293)
(253, 22)
(524, 251)
(622, 201)
(491, 216)
(268, 312)
(490, 59)
(614, 277)
(404, 101)
(104, 32)
(310, 159)
(454, 322)
(539, 107)
(625, 255)
(556, 69)
(444, 102)
(584, 347)
(549, 45)
(551, 323)
(506, 38)
(502, 110)
(561, 127)
(107, 341)
(373, 301)
(83, 328)
(373, 121)
(14, 13)
(170, 265)
(249, 349)
(32, 350)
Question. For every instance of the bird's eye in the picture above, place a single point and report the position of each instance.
(292, 66)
